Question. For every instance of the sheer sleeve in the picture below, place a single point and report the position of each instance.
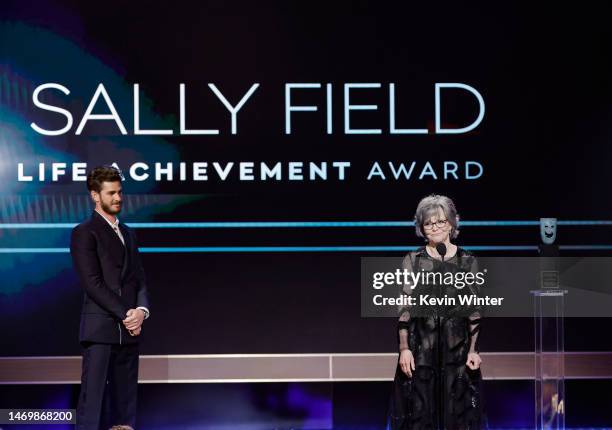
(404, 311)
(475, 317)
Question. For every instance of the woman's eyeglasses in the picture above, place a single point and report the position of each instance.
(440, 224)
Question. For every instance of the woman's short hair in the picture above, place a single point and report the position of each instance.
(102, 174)
(430, 206)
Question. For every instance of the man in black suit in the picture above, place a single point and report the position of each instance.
(106, 259)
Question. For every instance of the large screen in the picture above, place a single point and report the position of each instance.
(267, 148)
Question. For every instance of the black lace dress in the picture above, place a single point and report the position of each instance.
(443, 393)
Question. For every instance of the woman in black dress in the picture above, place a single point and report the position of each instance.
(438, 381)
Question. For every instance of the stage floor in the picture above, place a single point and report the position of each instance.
(302, 405)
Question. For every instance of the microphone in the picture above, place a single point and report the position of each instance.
(441, 248)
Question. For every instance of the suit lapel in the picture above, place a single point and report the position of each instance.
(117, 247)
(106, 226)
(128, 246)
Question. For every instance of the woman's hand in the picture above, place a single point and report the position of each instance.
(473, 360)
(406, 362)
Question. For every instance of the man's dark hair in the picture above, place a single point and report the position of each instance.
(102, 174)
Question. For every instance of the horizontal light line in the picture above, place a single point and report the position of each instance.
(206, 381)
(263, 249)
(291, 355)
(34, 250)
(275, 224)
(302, 224)
(29, 225)
(501, 247)
(31, 362)
(223, 249)
(578, 247)
(205, 249)
(279, 380)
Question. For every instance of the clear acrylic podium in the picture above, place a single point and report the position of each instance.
(548, 306)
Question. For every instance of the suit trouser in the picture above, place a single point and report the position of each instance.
(109, 385)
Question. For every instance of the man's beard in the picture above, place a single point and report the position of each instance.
(110, 209)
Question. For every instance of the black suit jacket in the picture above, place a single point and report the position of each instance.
(111, 275)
